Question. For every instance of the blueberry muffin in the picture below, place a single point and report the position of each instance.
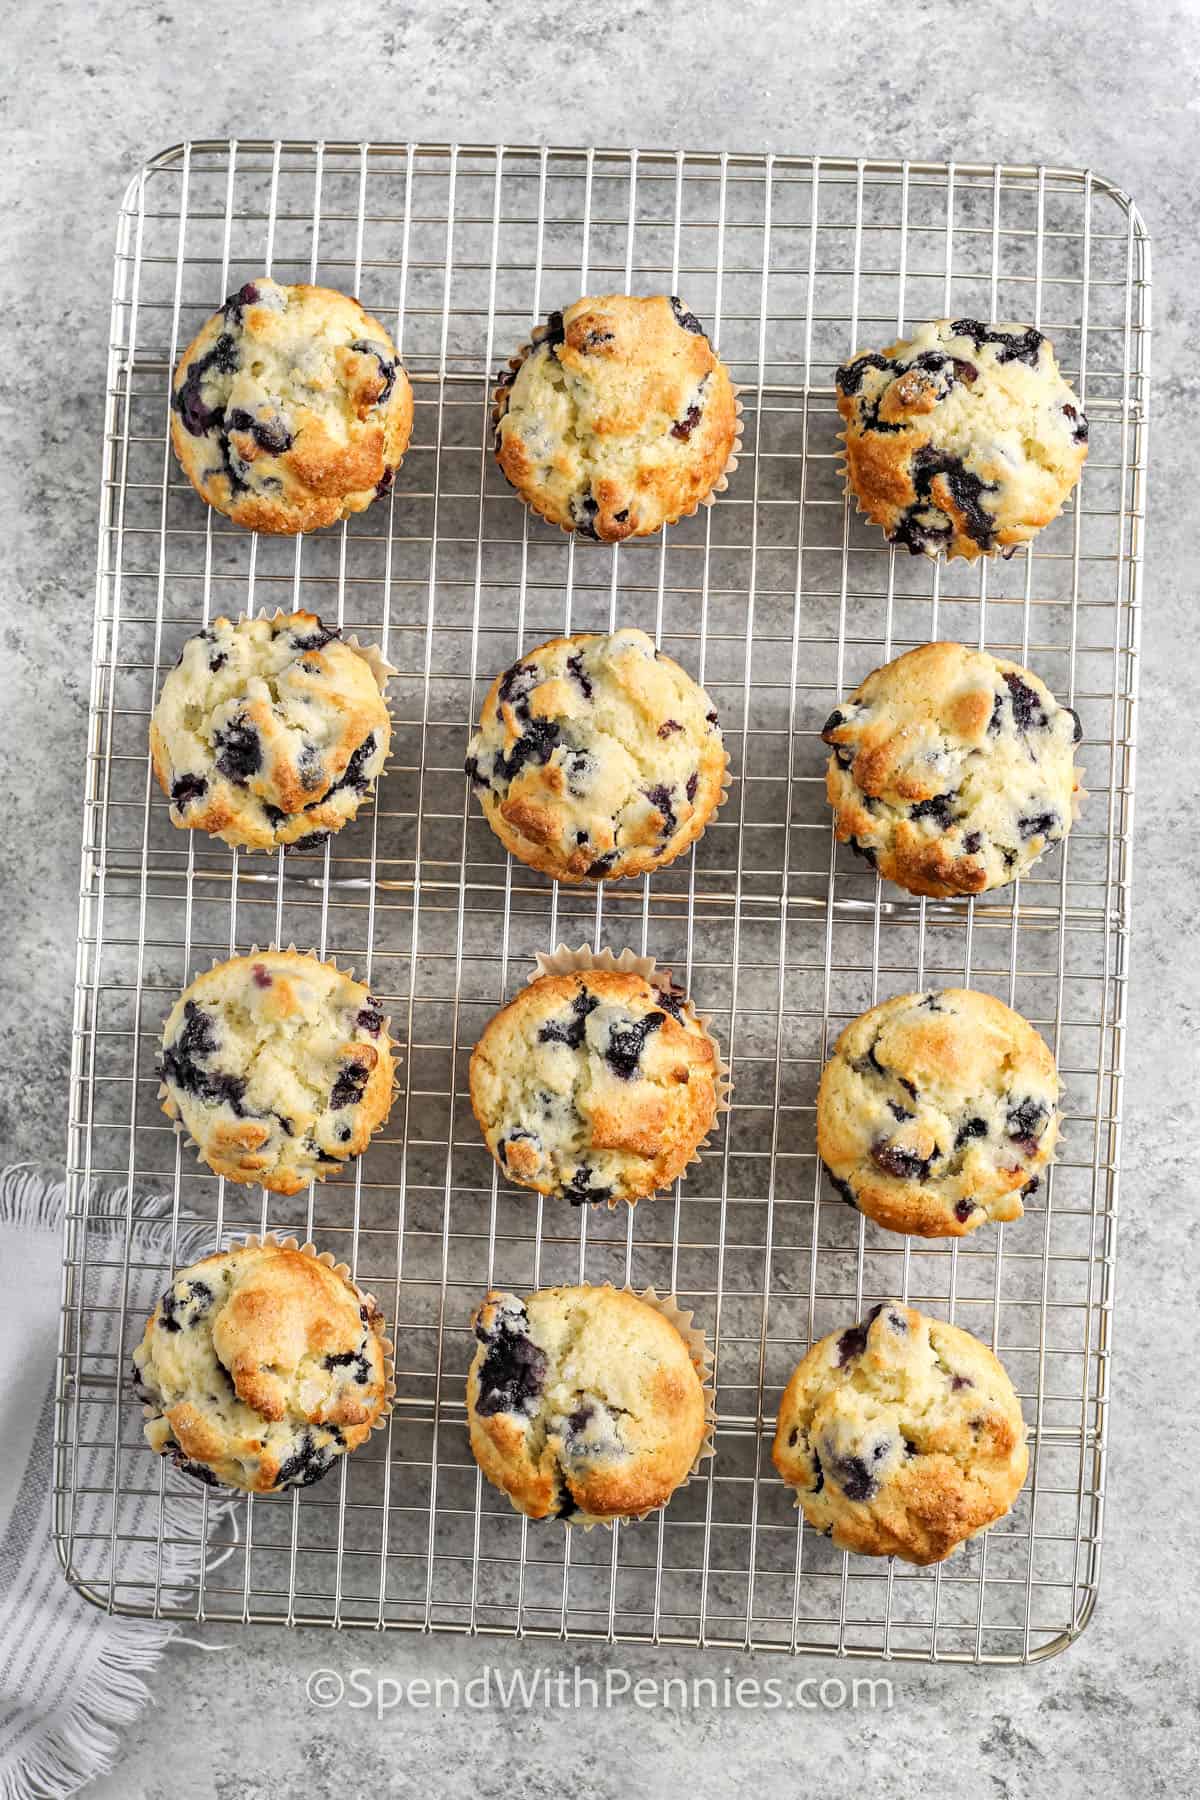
(595, 1086)
(270, 731)
(278, 1066)
(584, 1403)
(937, 1112)
(597, 758)
(290, 409)
(963, 440)
(260, 1366)
(902, 1436)
(952, 771)
(618, 418)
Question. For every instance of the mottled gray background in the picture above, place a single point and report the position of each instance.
(94, 88)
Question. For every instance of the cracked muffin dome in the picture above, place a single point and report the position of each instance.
(584, 1403)
(618, 418)
(937, 1112)
(902, 1436)
(278, 1066)
(290, 409)
(952, 770)
(597, 758)
(270, 731)
(962, 440)
(261, 1365)
(595, 1086)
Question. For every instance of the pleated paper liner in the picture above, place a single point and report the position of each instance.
(565, 961)
(503, 389)
(389, 1047)
(269, 1241)
(381, 671)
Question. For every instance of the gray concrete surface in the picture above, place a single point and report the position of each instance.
(95, 87)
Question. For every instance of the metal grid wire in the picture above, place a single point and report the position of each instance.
(778, 599)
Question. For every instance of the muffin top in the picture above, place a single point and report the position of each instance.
(902, 1436)
(585, 1403)
(597, 757)
(279, 1066)
(618, 418)
(595, 1086)
(262, 1365)
(962, 440)
(952, 771)
(270, 731)
(937, 1112)
(289, 408)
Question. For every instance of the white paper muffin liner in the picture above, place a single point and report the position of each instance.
(270, 1241)
(381, 671)
(327, 962)
(504, 386)
(565, 961)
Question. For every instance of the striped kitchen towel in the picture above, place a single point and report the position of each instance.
(71, 1675)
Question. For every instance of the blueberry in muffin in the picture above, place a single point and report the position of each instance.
(597, 1086)
(290, 409)
(963, 440)
(952, 771)
(260, 1367)
(270, 731)
(901, 1436)
(279, 1067)
(585, 1404)
(937, 1112)
(618, 418)
(597, 757)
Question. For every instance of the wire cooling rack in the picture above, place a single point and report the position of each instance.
(778, 599)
